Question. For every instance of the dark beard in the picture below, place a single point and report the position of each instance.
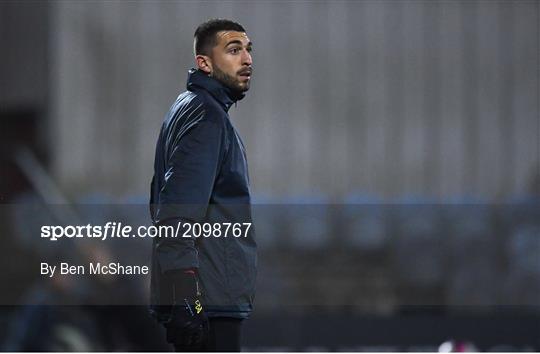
(228, 81)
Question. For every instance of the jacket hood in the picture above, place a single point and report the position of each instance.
(223, 94)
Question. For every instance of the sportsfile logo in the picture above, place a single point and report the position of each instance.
(118, 230)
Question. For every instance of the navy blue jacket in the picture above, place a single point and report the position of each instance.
(201, 175)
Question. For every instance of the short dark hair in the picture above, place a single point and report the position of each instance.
(205, 34)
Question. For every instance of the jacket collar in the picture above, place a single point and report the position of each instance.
(223, 94)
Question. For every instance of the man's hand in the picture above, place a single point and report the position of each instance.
(188, 325)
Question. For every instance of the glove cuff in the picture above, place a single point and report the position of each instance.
(185, 285)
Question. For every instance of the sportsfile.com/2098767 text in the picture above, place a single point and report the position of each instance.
(118, 230)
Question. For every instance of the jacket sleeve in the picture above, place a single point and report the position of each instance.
(192, 167)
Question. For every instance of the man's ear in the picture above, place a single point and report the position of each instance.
(204, 63)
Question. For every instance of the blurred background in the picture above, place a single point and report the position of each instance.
(394, 161)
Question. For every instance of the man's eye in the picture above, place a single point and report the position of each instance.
(234, 50)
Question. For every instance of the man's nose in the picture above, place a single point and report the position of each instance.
(246, 58)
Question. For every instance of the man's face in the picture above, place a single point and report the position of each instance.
(231, 60)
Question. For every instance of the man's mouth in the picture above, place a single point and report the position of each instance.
(246, 73)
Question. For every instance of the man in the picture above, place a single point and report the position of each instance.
(203, 287)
